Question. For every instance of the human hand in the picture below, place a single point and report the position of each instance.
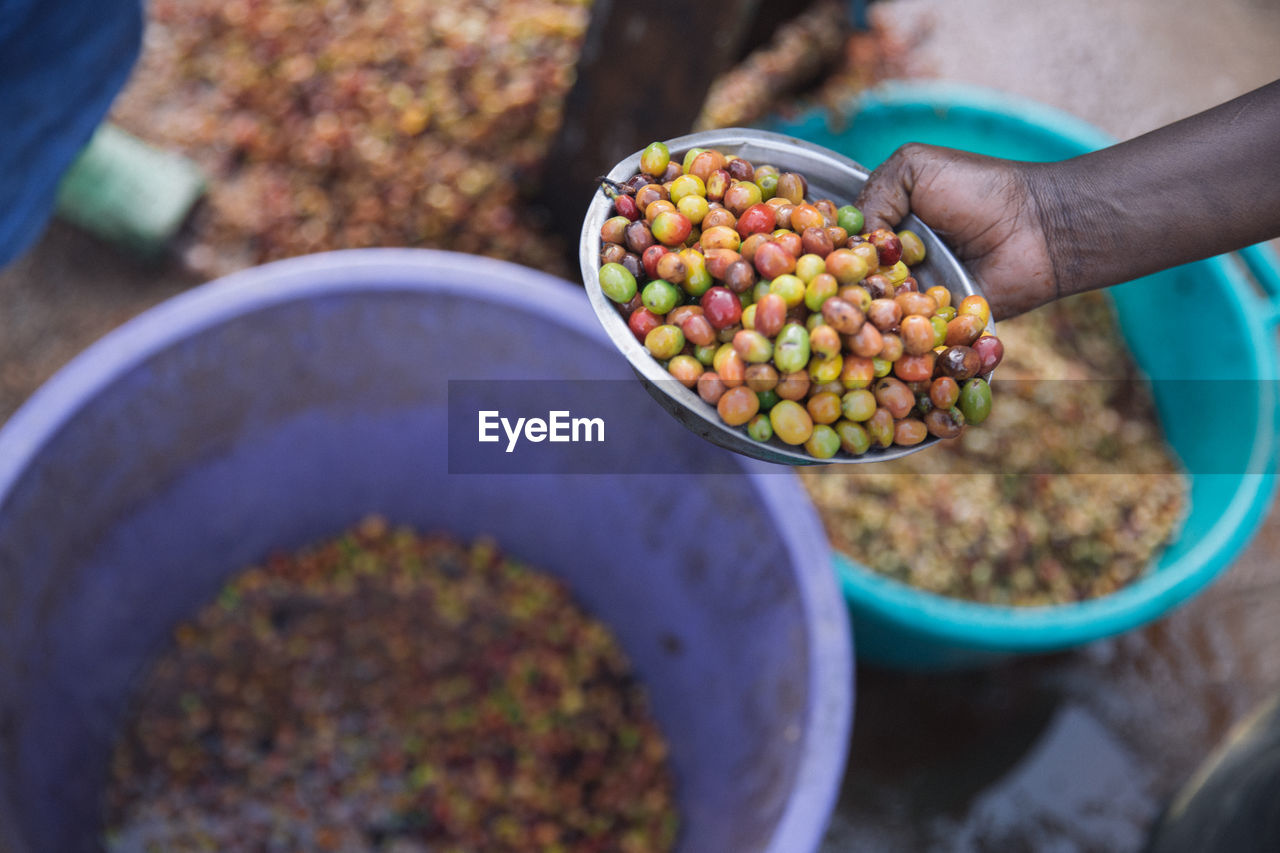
(981, 207)
(1033, 232)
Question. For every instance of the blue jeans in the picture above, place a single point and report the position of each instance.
(61, 64)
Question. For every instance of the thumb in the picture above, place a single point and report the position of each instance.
(886, 197)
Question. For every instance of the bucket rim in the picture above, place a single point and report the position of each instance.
(993, 628)
(829, 645)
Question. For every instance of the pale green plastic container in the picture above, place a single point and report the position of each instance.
(1229, 303)
(128, 192)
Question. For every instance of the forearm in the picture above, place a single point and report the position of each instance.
(1195, 188)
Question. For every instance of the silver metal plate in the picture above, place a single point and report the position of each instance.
(829, 175)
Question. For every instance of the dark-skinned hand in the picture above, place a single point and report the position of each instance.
(1034, 232)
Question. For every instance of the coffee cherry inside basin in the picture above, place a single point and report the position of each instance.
(768, 302)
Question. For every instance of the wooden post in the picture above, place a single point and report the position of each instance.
(643, 75)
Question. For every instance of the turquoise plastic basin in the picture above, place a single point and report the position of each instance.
(1228, 451)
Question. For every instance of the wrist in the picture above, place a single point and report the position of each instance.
(1067, 212)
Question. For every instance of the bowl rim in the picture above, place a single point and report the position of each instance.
(828, 644)
(1043, 628)
(683, 403)
(995, 628)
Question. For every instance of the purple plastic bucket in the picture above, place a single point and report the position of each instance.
(279, 405)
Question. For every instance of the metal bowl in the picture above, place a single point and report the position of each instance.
(830, 175)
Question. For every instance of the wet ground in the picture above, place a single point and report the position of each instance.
(1077, 751)
(1073, 752)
